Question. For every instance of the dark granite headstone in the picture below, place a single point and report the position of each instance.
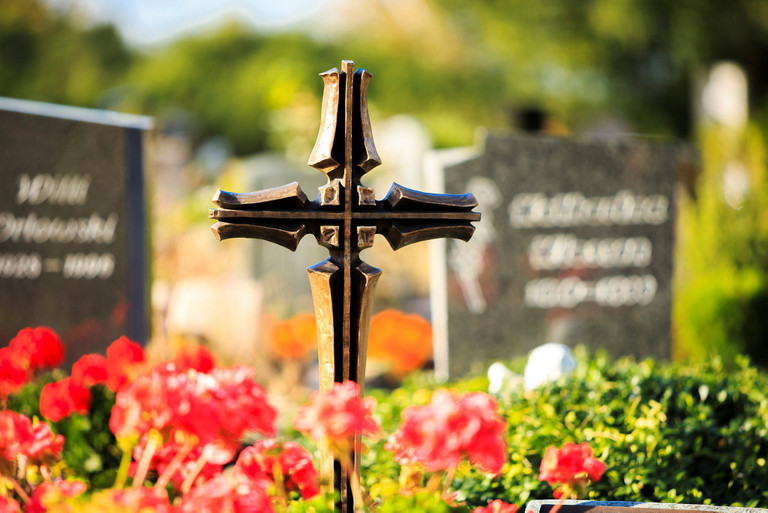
(73, 233)
(575, 246)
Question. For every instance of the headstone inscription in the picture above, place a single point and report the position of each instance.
(344, 218)
(575, 248)
(73, 241)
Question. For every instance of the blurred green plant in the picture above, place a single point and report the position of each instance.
(668, 433)
(722, 262)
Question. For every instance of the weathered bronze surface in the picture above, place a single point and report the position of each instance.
(344, 217)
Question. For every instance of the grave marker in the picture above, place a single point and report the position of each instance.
(72, 224)
(575, 247)
(344, 218)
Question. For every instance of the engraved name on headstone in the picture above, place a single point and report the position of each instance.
(575, 247)
(73, 239)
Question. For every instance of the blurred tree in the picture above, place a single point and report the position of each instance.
(47, 56)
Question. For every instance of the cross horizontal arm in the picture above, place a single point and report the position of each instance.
(223, 213)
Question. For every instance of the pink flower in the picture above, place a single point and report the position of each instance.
(452, 426)
(336, 416)
(166, 454)
(42, 446)
(140, 499)
(573, 467)
(8, 505)
(15, 430)
(293, 461)
(228, 494)
(19, 436)
(214, 410)
(497, 506)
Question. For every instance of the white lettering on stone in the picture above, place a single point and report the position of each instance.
(32, 228)
(55, 189)
(611, 291)
(531, 210)
(562, 251)
(20, 265)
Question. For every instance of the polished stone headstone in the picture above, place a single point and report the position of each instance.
(73, 231)
(575, 247)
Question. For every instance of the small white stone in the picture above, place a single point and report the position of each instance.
(498, 376)
(547, 363)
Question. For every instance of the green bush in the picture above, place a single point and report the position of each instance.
(668, 433)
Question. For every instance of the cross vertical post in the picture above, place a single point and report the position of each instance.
(344, 218)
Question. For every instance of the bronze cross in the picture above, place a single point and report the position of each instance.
(344, 217)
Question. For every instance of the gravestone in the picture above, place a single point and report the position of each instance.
(575, 247)
(73, 233)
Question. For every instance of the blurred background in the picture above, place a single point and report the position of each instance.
(233, 86)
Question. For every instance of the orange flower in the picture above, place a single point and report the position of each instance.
(293, 338)
(403, 341)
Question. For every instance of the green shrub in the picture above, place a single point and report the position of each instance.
(668, 433)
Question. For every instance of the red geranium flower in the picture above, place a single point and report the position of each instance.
(13, 371)
(15, 432)
(229, 494)
(197, 357)
(52, 492)
(123, 356)
(573, 467)
(265, 457)
(8, 505)
(89, 370)
(336, 416)
(213, 410)
(62, 398)
(41, 347)
(450, 427)
(497, 506)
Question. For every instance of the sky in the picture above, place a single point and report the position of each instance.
(149, 22)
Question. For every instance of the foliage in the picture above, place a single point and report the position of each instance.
(722, 289)
(667, 433)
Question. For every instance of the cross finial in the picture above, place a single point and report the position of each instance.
(344, 218)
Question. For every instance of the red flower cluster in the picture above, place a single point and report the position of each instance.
(198, 358)
(52, 492)
(34, 441)
(234, 494)
(72, 395)
(573, 467)
(497, 506)
(209, 412)
(450, 427)
(334, 417)
(31, 349)
(287, 462)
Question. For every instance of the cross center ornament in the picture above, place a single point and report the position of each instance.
(344, 218)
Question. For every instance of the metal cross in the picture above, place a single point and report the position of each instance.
(344, 218)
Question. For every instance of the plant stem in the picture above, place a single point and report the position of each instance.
(559, 503)
(153, 441)
(449, 480)
(22, 494)
(175, 463)
(199, 464)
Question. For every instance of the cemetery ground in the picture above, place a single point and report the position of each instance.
(668, 433)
